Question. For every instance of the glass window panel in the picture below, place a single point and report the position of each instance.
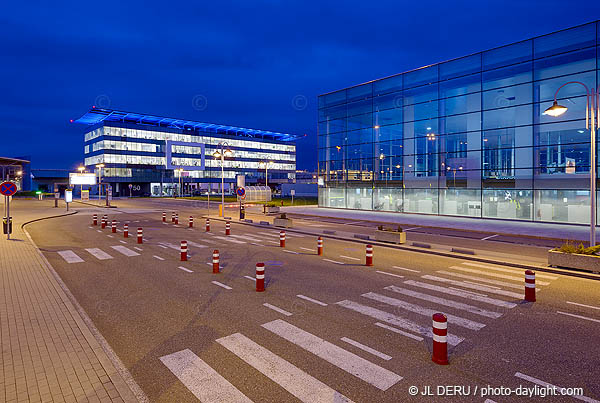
(506, 76)
(388, 101)
(425, 75)
(462, 104)
(460, 86)
(426, 110)
(460, 202)
(360, 107)
(387, 85)
(391, 132)
(506, 117)
(421, 201)
(570, 206)
(421, 94)
(360, 121)
(460, 67)
(507, 96)
(565, 64)
(388, 199)
(507, 55)
(334, 112)
(508, 204)
(564, 41)
(544, 90)
(334, 98)
(360, 136)
(388, 117)
(359, 92)
(460, 123)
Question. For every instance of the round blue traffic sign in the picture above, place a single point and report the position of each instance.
(8, 188)
(241, 191)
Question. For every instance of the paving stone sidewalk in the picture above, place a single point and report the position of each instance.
(49, 353)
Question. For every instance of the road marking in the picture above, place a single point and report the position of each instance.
(578, 316)
(489, 401)
(224, 238)
(349, 257)
(124, 250)
(288, 376)
(276, 234)
(70, 256)
(91, 227)
(395, 320)
(404, 268)
(549, 385)
(158, 257)
(184, 269)
(367, 349)
(290, 251)
(308, 249)
(247, 238)
(371, 373)
(110, 236)
(122, 241)
(470, 292)
(586, 306)
(136, 248)
(410, 229)
(402, 332)
(222, 285)
(98, 230)
(311, 300)
(486, 273)
(171, 245)
(163, 246)
(250, 278)
(445, 302)
(99, 253)
(275, 242)
(457, 320)
(488, 237)
(256, 244)
(203, 381)
(333, 261)
(482, 280)
(196, 245)
(513, 271)
(389, 274)
(277, 309)
(463, 294)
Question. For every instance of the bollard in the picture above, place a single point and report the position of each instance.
(529, 286)
(176, 218)
(440, 339)
(207, 225)
(139, 235)
(114, 226)
(216, 261)
(191, 221)
(319, 246)
(260, 277)
(282, 239)
(227, 228)
(183, 251)
(125, 231)
(103, 221)
(173, 216)
(164, 216)
(95, 218)
(369, 256)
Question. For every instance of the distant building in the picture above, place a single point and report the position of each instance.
(17, 170)
(47, 180)
(155, 154)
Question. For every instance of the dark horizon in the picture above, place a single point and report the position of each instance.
(256, 67)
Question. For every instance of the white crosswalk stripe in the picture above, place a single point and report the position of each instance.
(371, 373)
(506, 270)
(70, 256)
(473, 286)
(297, 382)
(125, 250)
(504, 276)
(196, 245)
(247, 238)
(229, 239)
(396, 320)
(99, 253)
(482, 280)
(457, 320)
(463, 294)
(203, 381)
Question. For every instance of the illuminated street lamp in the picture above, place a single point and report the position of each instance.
(100, 166)
(81, 169)
(266, 164)
(592, 110)
(221, 152)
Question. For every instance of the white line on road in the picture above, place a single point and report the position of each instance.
(277, 309)
(163, 246)
(549, 385)
(98, 230)
(404, 268)
(489, 237)
(122, 241)
(184, 269)
(311, 300)
(470, 292)
(586, 306)
(333, 261)
(395, 320)
(297, 382)
(457, 320)
(275, 242)
(136, 248)
(250, 278)
(70, 256)
(505, 270)
(445, 302)
(110, 236)
(371, 373)
(366, 348)
(402, 332)
(487, 273)
(91, 227)
(578, 316)
(221, 285)
(349, 257)
(124, 250)
(290, 251)
(158, 257)
(308, 249)
(462, 294)
(99, 253)
(409, 229)
(389, 274)
(482, 280)
(196, 245)
(224, 238)
(247, 238)
(203, 381)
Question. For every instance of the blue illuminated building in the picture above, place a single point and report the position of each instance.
(467, 137)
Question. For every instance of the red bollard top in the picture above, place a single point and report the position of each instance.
(260, 265)
(440, 318)
(216, 251)
(529, 272)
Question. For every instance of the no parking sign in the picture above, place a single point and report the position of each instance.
(241, 192)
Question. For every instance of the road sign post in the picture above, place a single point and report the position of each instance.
(7, 189)
(68, 197)
(293, 192)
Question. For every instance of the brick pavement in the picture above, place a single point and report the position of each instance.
(49, 353)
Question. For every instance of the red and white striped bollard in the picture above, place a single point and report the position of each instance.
(95, 219)
(176, 218)
(103, 221)
(207, 227)
(164, 217)
(114, 226)
(125, 231)
(173, 217)
(227, 228)
(369, 256)
(440, 339)
(260, 277)
(191, 222)
(140, 237)
(282, 239)
(215, 261)
(529, 286)
(319, 246)
(183, 249)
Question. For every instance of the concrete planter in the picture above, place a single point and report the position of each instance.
(283, 222)
(574, 261)
(390, 236)
(271, 209)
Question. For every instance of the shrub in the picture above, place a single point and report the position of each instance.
(569, 247)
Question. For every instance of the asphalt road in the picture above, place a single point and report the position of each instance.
(179, 333)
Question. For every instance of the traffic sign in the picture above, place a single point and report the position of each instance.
(8, 188)
(241, 191)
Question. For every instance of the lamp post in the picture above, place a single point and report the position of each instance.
(179, 172)
(99, 166)
(81, 170)
(592, 110)
(221, 152)
(266, 165)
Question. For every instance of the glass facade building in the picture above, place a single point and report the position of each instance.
(148, 152)
(467, 137)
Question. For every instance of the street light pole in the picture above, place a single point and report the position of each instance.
(591, 122)
(99, 166)
(220, 154)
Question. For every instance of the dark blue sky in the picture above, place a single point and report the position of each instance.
(247, 63)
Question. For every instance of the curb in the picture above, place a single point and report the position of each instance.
(44, 218)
